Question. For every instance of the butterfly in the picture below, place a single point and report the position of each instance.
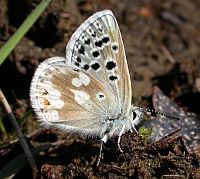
(89, 91)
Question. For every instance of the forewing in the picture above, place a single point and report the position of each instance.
(63, 96)
(97, 48)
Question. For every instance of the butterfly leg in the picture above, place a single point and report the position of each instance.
(119, 138)
(103, 140)
(133, 126)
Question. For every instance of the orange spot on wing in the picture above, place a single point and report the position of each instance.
(46, 103)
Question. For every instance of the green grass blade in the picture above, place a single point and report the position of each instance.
(21, 31)
(2, 128)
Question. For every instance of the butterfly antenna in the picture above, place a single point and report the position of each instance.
(157, 112)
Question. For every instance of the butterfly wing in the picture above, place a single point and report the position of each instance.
(97, 48)
(64, 97)
(91, 86)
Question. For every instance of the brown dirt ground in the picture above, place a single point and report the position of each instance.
(161, 39)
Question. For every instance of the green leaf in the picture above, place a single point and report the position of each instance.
(22, 30)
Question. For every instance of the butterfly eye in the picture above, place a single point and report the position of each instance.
(134, 114)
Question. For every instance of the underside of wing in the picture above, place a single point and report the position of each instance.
(64, 96)
(97, 48)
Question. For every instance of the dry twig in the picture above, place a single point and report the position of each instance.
(19, 133)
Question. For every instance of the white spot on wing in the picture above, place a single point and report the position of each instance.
(58, 104)
(55, 93)
(84, 78)
(81, 97)
(76, 82)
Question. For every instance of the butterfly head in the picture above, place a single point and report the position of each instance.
(136, 116)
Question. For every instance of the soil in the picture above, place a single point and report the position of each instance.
(161, 40)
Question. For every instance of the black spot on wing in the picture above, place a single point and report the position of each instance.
(86, 67)
(113, 78)
(105, 39)
(110, 65)
(115, 47)
(81, 50)
(78, 59)
(87, 41)
(99, 43)
(76, 69)
(77, 64)
(95, 54)
(95, 66)
(101, 95)
(93, 33)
